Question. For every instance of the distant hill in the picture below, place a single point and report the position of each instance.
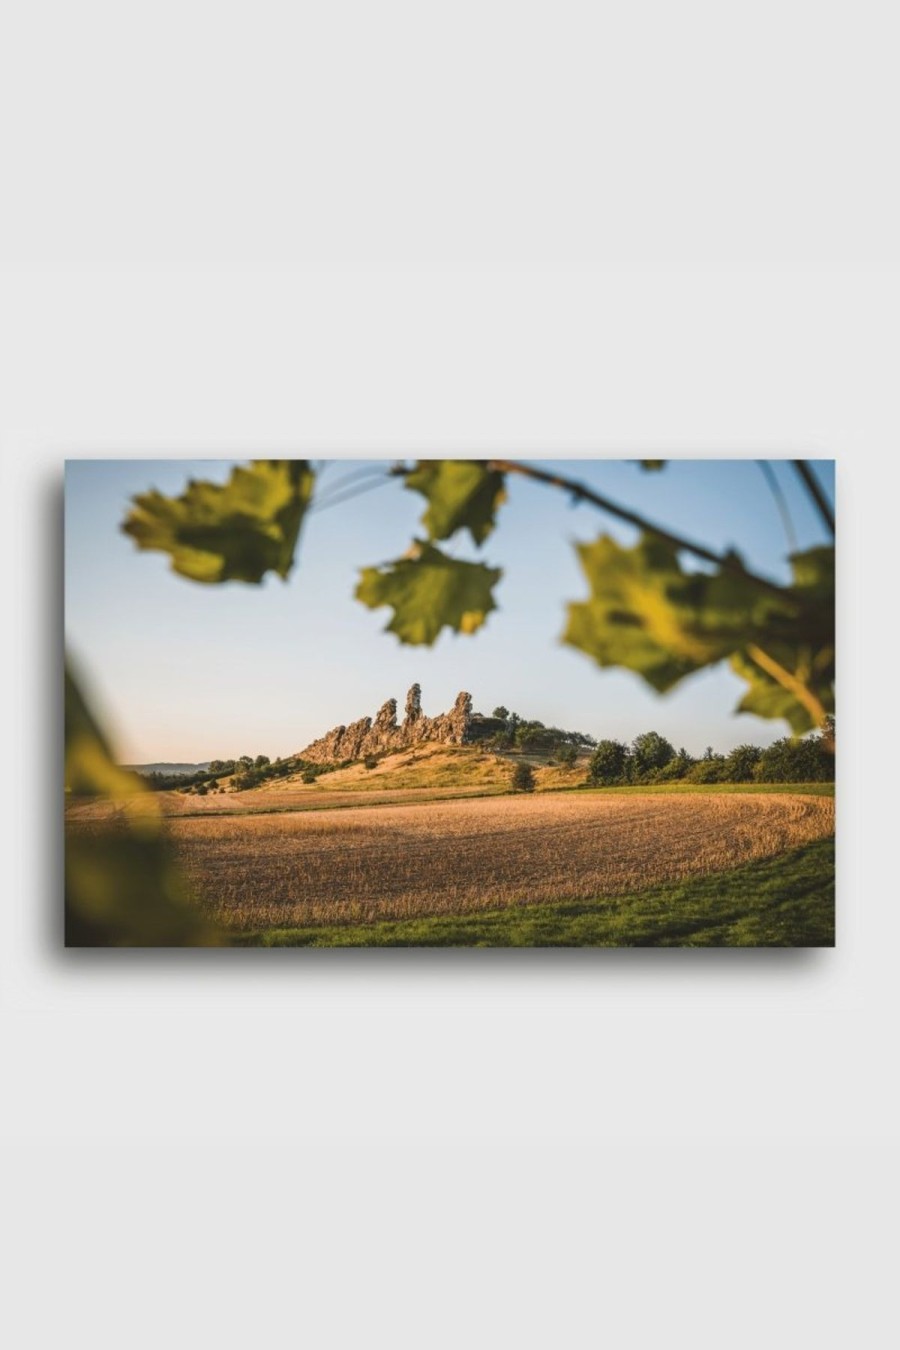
(185, 769)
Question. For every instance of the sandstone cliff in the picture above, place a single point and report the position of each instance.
(368, 737)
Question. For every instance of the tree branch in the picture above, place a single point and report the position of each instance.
(815, 491)
(581, 492)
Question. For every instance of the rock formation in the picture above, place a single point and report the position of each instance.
(366, 737)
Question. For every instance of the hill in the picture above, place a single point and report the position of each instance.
(431, 765)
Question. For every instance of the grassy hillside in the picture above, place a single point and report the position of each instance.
(787, 901)
(436, 766)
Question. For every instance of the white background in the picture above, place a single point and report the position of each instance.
(368, 229)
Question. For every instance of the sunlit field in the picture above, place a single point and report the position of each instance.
(369, 863)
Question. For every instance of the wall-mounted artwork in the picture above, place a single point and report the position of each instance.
(453, 703)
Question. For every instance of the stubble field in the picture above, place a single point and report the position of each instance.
(360, 865)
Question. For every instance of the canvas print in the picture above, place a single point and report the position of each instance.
(449, 702)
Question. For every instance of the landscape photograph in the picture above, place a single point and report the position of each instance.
(449, 703)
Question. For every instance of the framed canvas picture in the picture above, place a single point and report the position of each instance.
(450, 703)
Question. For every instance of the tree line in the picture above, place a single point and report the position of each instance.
(650, 758)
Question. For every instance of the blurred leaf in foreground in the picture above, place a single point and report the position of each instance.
(235, 532)
(791, 668)
(429, 591)
(462, 494)
(122, 886)
(648, 615)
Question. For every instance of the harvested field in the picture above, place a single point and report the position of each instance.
(377, 862)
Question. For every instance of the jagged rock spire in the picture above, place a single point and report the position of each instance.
(413, 704)
(366, 737)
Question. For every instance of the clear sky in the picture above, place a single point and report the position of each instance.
(186, 672)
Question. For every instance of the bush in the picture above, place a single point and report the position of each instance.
(790, 761)
(676, 769)
(741, 763)
(567, 755)
(708, 771)
(607, 763)
(370, 762)
(523, 778)
(650, 752)
(309, 776)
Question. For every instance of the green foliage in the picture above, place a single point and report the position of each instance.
(523, 778)
(791, 675)
(796, 761)
(607, 763)
(237, 532)
(741, 763)
(711, 770)
(650, 751)
(501, 713)
(370, 762)
(308, 776)
(645, 613)
(429, 591)
(676, 769)
(567, 755)
(122, 887)
(462, 494)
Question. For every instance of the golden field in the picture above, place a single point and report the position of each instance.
(360, 863)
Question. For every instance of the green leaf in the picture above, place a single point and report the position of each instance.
(652, 465)
(123, 887)
(646, 614)
(235, 532)
(461, 494)
(802, 646)
(767, 697)
(429, 591)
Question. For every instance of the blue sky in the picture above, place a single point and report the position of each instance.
(182, 671)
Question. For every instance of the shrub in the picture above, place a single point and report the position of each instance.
(708, 771)
(742, 762)
(309, 776)
(790, 761)
(523, 778)
(370, 762)
(567, 755)
(676, 769)
(651, 751)
(607, 763)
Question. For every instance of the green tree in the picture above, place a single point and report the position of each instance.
(711, 769)
(796, 761)
(501, 712)
(523, 778)
(650, 752)
(741, 763)
(607, 763)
